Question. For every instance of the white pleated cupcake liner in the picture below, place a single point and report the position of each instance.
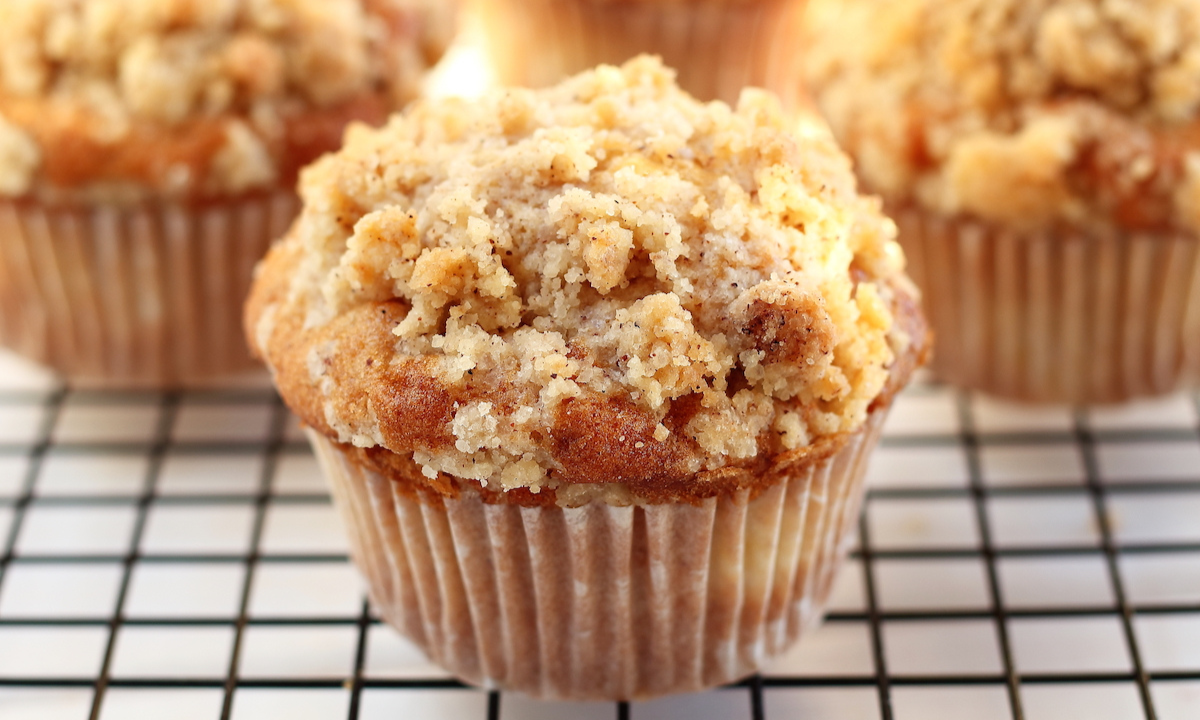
(717, 46)
(1057, 316)
(603, 602)
(148, 295)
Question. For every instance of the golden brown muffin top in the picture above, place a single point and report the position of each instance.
(1022, 112)
(193, 97)
(602, 282)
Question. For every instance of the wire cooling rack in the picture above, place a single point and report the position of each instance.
(176, 556)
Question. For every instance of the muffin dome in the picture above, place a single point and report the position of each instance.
(189, 98)
(603, 283)
(1020, 112)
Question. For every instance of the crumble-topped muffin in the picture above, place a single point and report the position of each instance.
(606, 281)
(608, 359)
(149, 151)
(187, 98)
(1042, 159)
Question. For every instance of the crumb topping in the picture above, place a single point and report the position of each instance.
(109, 69)
(19, 158)
(605, 278)
(1022, 112)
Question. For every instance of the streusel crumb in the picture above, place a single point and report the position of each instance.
(78, 73)
(1022, 112)
(536, 287)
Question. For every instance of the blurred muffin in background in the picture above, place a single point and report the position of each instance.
(593, 372)
(716, 46)
(1042, 160)
(148, 155)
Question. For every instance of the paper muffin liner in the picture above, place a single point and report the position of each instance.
(1057, 316)
(148, 295)
(603, 602)
(717, 46)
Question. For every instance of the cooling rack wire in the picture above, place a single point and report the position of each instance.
(176, 556)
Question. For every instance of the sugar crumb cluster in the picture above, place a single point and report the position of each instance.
(1023, 112)
(108, 68)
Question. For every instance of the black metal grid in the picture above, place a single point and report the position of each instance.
(897, 674)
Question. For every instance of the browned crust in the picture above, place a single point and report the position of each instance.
(73, 155)
(755, 476)
(594, 439)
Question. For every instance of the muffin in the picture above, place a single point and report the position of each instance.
(148, 155)
(717, 46)
(1042, 160)
(593, 372)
